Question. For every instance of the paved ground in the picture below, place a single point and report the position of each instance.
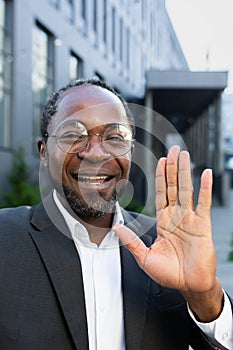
(222, 219)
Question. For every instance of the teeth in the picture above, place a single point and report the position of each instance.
(92, 178)
(95, 180)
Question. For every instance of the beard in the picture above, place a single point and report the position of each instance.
(93, 206)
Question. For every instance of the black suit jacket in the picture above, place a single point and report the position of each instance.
(42, 303)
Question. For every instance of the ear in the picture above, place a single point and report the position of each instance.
(41, 145)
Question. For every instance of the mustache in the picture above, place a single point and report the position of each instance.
(93, 206)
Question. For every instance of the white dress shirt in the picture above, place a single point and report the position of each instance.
(220, 330)
(101, 269)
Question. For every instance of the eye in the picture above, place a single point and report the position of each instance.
(115, 137)
(118, 133)
(72, 137)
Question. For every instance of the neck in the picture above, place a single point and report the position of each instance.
(97, 228)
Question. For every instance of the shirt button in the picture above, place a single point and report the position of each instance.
(102, 308)
(225, 336)
(98, 254)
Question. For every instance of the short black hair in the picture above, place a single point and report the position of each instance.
(51, 106)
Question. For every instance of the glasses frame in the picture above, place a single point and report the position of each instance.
(47, 135)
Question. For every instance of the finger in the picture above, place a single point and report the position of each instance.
(171, 174)
(160, 185)
(132, 242)
(205, 193)
(185, 180)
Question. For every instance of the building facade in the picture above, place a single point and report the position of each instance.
(130, 44)
(46, 43)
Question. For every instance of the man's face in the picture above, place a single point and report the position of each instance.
(88, 180)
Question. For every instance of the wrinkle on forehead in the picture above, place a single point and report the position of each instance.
(75, 109)
(90, 105)
(71, 110)
(86, 95)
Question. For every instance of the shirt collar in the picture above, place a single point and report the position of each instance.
(79, 232)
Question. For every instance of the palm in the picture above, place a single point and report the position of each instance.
(182, 256)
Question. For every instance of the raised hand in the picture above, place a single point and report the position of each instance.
(184, 241)
(183, 255)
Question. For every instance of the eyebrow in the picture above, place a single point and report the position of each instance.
(73, 122)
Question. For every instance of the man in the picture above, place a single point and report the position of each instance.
(67, 282)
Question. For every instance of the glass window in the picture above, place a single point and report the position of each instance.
(95, 15)
(105, 21)
(151, 29)
(69, 10)
(42, 74)
(121, 40)
(113, 29)
(55, 3)
(5, 73)
(127, 48)
(83, 9)
(143, 10)
(75, 67)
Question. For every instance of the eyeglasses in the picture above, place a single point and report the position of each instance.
(72, 137)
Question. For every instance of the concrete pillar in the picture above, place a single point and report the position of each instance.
(218, 155)
(222, 179)
(206, 137)
(149, 166)
(22, 97)
(203, 143)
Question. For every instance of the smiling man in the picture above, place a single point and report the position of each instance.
(87, 149)
(68, 280)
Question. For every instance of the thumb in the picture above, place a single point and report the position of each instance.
(132, 242)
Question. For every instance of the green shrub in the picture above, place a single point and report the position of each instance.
(21, 191)
(133, 205)
(230, 256)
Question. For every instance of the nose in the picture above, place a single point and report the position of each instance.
(94, 150)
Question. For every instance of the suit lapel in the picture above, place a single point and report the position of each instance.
(63, 266)
(136, 285)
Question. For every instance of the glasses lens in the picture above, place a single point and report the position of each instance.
(72, 137)
(117, 139)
